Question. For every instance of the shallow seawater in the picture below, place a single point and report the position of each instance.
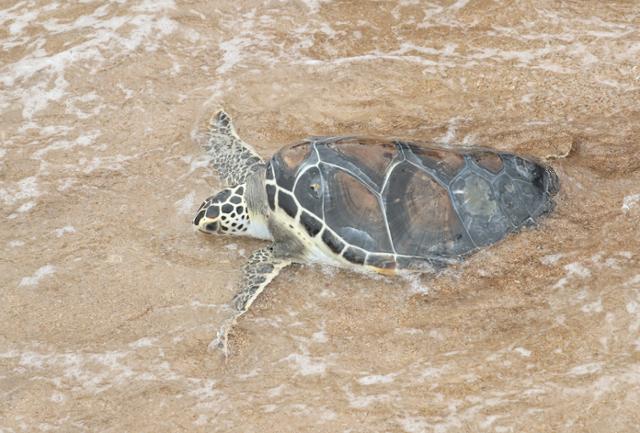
(109, 297)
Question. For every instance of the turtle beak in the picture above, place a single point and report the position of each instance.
(209, 228)
(206, 225)
(199, 216)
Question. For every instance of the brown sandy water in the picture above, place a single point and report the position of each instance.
(109, 298)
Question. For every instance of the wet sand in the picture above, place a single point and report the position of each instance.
(109, 297)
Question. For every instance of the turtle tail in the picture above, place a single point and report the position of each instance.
(550, 181)
(550, 185)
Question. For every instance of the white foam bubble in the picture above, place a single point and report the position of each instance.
(630, 202)
(200, 161)
(488, 421)
(552, 259)
(90, 103)
(206, 391)
(459, 4)
(376, 379)
(201, 420)
(38, 275)
(25, 207)
(314, 5)
(577, 269)
(151, 6)
(269, 408)
(432, 373)
(66, 229)
(65, 184)
(22, 190)
(143, 342)
(232, 53)
(128, 93)
(111, 163)
(553, 67)
(593, 307)
(451, 134)
(414, 424)
(633, 281)
(276, 391)
(320, 336)
(523, 352)
(306, 365)
(253, 373)
(362, 401)
(21, 21)
(186, 204)
(585, 369)
(573, 270)
(415, 284)
(58, 397)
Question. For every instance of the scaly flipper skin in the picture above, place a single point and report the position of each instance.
(262, 267)
(232, 158)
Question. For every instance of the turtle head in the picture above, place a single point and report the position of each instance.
(225, 212)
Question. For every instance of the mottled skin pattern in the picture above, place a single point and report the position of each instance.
(365, 203)
(261, 267)
(230, 156)
(226, 210)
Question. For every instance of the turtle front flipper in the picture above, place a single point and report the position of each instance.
(262, 267)
(231, 157)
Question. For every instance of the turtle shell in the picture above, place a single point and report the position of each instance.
(398, 204)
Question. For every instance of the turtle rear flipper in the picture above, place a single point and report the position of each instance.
(261, 268)
(231, 157)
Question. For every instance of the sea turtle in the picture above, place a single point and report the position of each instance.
(373, 204)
